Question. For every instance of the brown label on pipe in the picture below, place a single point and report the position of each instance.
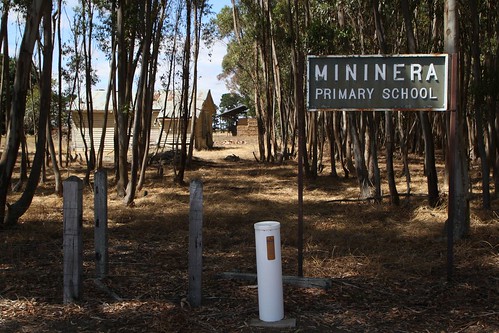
(270, 248)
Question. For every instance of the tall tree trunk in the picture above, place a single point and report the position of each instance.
(5, 76)
(429, 145)
(59, 83)
(87, 57)
(138, 125)
(17, 209)
(179, 177)
(314, 144)
(23, 167)
(265, 50)
(389, 131)
(109, 94)
(258, 106)
(429, 160)
(491, 64)
(348, 144)
(332, 142)
(298, 66)
(360, 162)
(100, 150)
(340, 145)
(390, 138)
(53, 158)
(123, 102)
(171, 69)
(373, 124)
(405, 151)
(459, 210)
(18, 107)
(276, 71)
(199, 9)
(479, 104)
(150, 89)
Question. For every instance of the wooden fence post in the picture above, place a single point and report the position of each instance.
(72, 238)
(195, 242)
(100, 220)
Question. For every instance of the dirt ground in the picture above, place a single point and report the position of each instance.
(386, 264)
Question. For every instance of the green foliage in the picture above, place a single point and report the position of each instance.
(224, 23)
(227, 102)
(32, 111)
(324, 39)
(231, 100)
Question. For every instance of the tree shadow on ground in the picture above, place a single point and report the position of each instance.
(387, 263)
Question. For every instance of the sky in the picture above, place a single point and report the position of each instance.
(209, 64)
(210, 67)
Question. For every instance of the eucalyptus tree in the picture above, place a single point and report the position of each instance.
(285, 31)
(170, 58)
(429, 39)
(459, 214)
(60, 106)
(237, 63)
(86, 22)
(478, 53)
(161, 10)
(105, 38)
(142, 98)
(363, 138)
(389, 130)
(127, 58)
(152, 31)
(184, 100)
(18, 208)
(5, 81)
(36, 10)
(200, 9)
(78, 75)
(489, 39)
(248, 64)
(139, 40)
(328, 33)
(265, 49)
(479, 101)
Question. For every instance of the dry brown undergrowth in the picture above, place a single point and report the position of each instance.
(387, 263)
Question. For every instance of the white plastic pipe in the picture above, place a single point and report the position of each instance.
(269, 271)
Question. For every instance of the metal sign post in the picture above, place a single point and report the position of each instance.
(452, 165)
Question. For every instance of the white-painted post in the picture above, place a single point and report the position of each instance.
(72, 238)
(100, 220)
(195, 242)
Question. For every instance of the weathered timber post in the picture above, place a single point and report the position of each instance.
(72, 238)
(100, 220)
(195, 242)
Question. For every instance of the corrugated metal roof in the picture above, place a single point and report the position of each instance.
(204, 101)
(234, 111)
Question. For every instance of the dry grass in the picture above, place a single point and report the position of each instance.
(387, 263)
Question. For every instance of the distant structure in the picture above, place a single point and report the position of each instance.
(165, 122)
(247, 127)
(240, 126)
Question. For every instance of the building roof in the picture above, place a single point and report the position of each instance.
(234, 111)
(204, 101)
